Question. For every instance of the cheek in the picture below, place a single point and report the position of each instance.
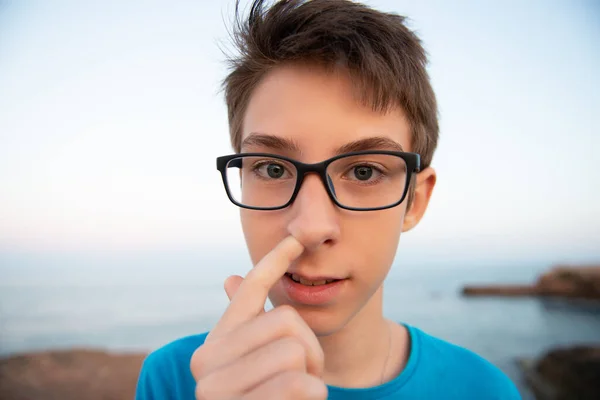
(260, 233)
(379, 239)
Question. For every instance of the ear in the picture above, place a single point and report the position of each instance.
(423, 188)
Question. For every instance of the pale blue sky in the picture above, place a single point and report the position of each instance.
(111, 118)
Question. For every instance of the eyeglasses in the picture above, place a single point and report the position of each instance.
(359, 181)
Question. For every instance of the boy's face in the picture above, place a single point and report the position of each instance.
(317, 111)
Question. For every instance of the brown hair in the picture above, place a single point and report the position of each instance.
(385, 59)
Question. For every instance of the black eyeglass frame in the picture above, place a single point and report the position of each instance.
(412, 161)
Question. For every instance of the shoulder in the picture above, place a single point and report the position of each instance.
(165, 373)
(175, 351)
(461, 371)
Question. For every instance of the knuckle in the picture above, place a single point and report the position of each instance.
(200, 391)
(294, 384)
(210, 387)
(294, 353)
(288, 316)
(198, 364)
(320, 356)
(303, 386)
(290, 323)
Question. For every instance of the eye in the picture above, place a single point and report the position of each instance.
(269, 169)
(363, 172)
(275, 171)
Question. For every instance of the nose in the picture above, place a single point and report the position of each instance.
(314, 219)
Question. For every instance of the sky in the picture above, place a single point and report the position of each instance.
(111, 117)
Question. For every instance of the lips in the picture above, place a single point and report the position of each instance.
(316, 290)
(316, 281)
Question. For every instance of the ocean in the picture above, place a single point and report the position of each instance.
(121, 308)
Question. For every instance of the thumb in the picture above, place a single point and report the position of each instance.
(232, 284)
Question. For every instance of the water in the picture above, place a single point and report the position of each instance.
(124, 309)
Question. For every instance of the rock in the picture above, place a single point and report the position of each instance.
(561, 281)
(501, 290)
(565, 373)
(571, 282)
(69, 374)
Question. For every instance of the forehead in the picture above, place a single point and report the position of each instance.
(318, 110)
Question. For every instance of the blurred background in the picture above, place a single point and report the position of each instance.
(115, 230)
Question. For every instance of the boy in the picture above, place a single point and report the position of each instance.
(334, 125)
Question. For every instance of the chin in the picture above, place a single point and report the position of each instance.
(322, 320)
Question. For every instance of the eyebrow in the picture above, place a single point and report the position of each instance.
(370, 143)
(283, 144)
(270, 141)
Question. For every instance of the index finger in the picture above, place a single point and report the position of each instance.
(250, 298)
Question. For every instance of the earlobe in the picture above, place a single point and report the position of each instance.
(424, 185)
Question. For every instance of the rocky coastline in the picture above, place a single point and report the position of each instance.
(69, 375)
(562, 373)
(568, 282)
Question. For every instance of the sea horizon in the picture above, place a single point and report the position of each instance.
(114, 309)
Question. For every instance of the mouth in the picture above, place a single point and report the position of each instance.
(318, 281)
(314, 290)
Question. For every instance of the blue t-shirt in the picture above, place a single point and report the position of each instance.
(435, 370)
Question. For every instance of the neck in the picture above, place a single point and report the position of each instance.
(356, 356)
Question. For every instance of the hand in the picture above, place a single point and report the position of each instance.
(253, 355)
